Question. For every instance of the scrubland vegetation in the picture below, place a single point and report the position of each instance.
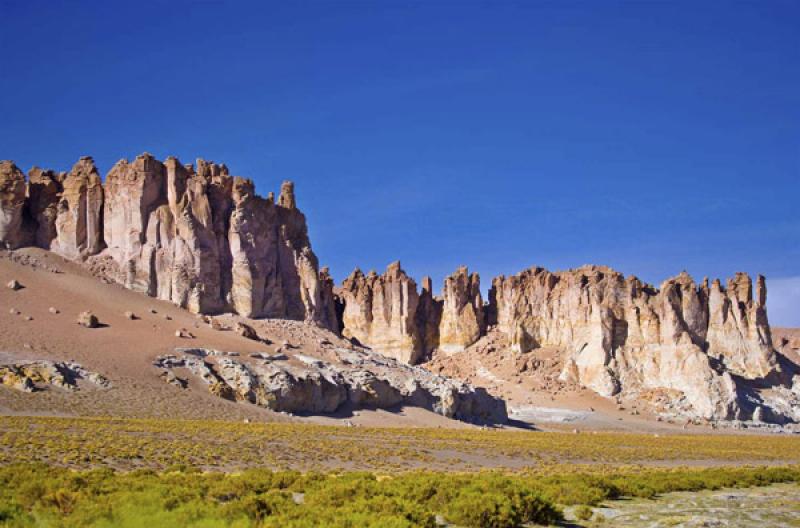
(209, 445)
(145, 473)
(42, 495)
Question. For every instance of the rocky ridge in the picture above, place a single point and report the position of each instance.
(349, 378)
(703, 348)
(190, 234)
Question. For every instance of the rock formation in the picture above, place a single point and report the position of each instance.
(12, 201)
(380, 312)
(619, 334)
(462, 320)
(302, 384)
(79, 231)
(193, 235)
(44, 193)
(615, 334)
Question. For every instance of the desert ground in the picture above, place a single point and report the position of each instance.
(140, 422)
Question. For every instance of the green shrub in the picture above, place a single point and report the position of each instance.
(583, 512)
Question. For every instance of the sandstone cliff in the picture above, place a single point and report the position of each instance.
(12, 201)
(386, 313)
(615, 334)
(380, 312)
(619, 334)
(193, 235)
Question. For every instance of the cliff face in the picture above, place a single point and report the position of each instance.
(618, 334)
(386, 313)
(380, 312)
(12, 201)
(193, 235)
(615, 334)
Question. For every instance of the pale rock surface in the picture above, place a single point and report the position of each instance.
(354, 378)
(618, 334)
(462, 320)
(44, 194)
(12, 202)
(192, 235)
(79, 230)
(380, 312)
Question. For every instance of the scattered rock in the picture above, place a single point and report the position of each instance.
(29, 376)
(246, 331)
(88, 320)
(183, 333)
(14, 285)
(130, 315)
(53, 310)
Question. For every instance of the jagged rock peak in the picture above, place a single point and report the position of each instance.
(196, 236)
(286, 198)
(463, 320)
(620, 335)
(12, 202)
(79, 228)
(380, 312)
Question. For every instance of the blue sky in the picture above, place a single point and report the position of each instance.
(649, 136)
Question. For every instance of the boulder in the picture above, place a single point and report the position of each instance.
(88, 320)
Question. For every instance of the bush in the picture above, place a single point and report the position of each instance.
(583, 512)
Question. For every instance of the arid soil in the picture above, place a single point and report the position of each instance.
(123, 350)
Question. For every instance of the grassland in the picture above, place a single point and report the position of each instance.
(215, 445)
(111, 472)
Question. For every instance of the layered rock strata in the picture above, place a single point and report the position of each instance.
(193, 235)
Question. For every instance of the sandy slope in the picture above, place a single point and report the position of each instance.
(124, 349)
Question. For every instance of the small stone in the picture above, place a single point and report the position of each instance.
(131, 316)
(167, 317)
(13, 311)
(183, 333)
(14, 285)
(28, 318)
(153, 311)
(88, 320)
(53, 310)
(246, 331)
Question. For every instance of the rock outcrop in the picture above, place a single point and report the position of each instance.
(44, 192)
(698, 346)
(193, 235)
(380, 312)
(462, 321)
(12, 202)
(30, 376)
(386, 313)
(79, 231)
(356, 379)
(618, 334)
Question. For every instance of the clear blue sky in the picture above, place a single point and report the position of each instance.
(649, 136)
